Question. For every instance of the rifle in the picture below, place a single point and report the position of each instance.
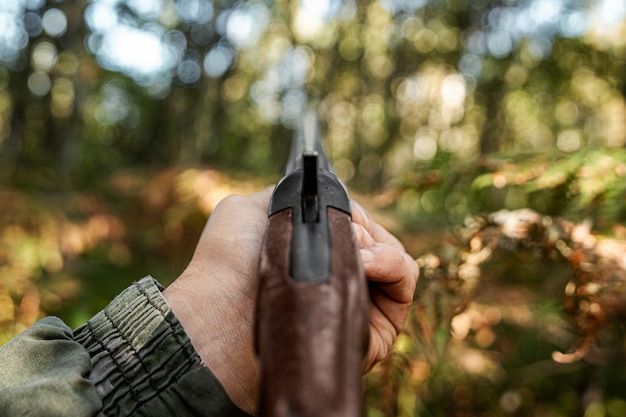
(312, 322)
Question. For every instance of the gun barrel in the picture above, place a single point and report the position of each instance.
(307, 140)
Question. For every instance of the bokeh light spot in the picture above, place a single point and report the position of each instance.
(62, 102)
(189, 71)
(195, 11)
(499, 44)
(147, 9)
(100, 17)
(44, 56)
(218, 60)
(54, 22)
(453, 90)
(39, 83)
(245, 25)
(32, 24)
(569, 140)
(135, 51)
(425, 148)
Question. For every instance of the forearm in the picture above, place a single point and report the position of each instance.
(132, 358)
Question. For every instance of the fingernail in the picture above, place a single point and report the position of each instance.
(366, 255)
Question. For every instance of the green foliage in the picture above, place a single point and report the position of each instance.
(586, 185)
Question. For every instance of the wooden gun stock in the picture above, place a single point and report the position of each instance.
(312, 323)
(311, 337)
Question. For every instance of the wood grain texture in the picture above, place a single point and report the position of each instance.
(311, 338)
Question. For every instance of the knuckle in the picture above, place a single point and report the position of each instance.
(232, 200)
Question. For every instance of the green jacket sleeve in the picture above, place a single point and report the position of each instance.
(43, 373)
(132, 358)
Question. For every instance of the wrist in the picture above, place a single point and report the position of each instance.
(220, 333)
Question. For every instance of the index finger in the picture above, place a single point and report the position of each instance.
(379, 233)
(262, 198)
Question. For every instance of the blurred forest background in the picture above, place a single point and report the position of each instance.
(487, 134)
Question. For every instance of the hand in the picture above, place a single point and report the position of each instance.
(214, 297)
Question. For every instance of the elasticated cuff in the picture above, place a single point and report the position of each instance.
(143, 362)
